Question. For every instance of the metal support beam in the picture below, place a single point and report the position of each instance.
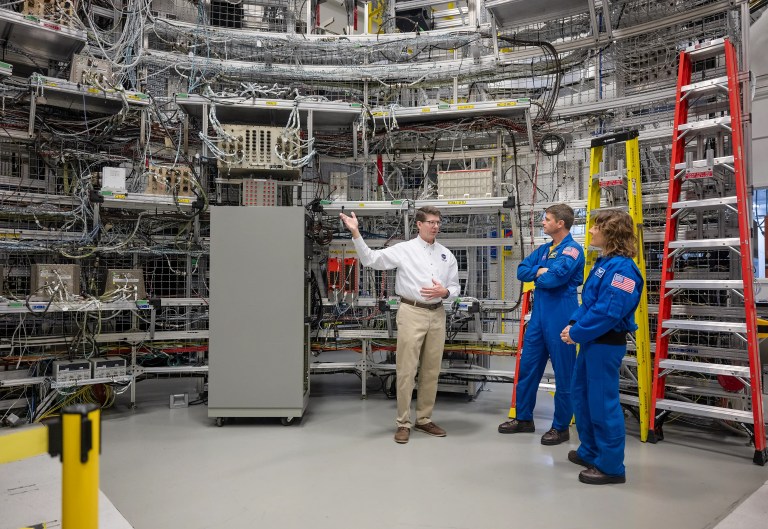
(529, 127)
(607, 18)
(593, 19)
(32, 109)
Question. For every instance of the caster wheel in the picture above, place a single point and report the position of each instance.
(287, 421)
(219, 421)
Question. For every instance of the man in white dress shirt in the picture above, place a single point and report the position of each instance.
(427, 274)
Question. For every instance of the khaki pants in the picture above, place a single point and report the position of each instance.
(420, 344)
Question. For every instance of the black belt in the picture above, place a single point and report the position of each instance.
(428, 306)
(613, 338)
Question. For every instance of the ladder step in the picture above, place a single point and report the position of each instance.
(629, 361)
(698, 325)
(701, 367)
(705, 50)
(705, 284)
(707, 86)
(700, 351)
(702, 410)
(706, 203)
(614, 208)
(704, 391)
(632, 400)
(706, 125)
(705, 243)
(702, 164)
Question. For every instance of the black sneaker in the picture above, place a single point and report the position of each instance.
(555, 437)
(515, 426)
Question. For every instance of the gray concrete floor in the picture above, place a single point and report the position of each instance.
(340, 468)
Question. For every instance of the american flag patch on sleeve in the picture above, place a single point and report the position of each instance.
(571, 252)
(623, 283)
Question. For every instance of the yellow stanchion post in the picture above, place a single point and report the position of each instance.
(81, 445)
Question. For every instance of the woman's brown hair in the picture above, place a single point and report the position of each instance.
(616, 227)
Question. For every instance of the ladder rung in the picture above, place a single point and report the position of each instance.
(705, 243)
(705, 50)
(699, 351)
(706, 203)
(705, 125)
(701, 367)
(705, 284)
(698, 325)
(633, 400)
(703, 391)
(706, 86)
(701, 410)
(722, 160)
(612, 208)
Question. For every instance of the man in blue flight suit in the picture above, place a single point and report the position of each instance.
(600, 325)
(557, 269)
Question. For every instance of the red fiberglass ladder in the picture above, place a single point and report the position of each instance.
(707, 361)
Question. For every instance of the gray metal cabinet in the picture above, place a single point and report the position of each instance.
(258, 347)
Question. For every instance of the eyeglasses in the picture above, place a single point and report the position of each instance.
(432, 222)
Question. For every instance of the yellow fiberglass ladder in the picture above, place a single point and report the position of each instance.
(620, 189)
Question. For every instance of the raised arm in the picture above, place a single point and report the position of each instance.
(385, 259)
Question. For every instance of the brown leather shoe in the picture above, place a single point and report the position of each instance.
(594, 476)
(554, 437)
(573, 457)
(515, 426)
(402, 434)
(430, 428)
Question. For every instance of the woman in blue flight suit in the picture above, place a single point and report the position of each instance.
(607, 313)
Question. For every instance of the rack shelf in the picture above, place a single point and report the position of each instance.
(502, 108)
(461, 206)
(40, 37)
(509, 11)
(65, 94)
(39, 307)
(142, 201)
(275, 112)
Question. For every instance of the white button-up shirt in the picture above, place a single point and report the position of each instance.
(417, 263)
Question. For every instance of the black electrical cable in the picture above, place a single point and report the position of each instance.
(199, 205)
(550, 51)
(315, 301)
(548, 139)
